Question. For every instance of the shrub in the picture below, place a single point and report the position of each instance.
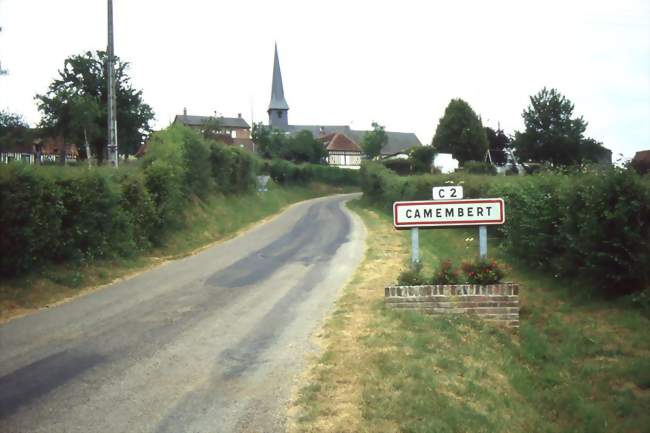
(399, 166)
(164, 185)
(140, 207)
(446, 274)
(30, 218)
(478, 167)
(483, 272)
(412, 276)
(196, 159)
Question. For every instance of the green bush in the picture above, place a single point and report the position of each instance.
(165, 187)
(478, 167)
(412, 276)
(30, 218)
(94, 224)
(593, 224)
(141, 210)
(399, 166)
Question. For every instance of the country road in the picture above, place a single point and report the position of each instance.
(208, 343)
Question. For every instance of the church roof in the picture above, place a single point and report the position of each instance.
(398, 142)
(277, 91)
(226, 122)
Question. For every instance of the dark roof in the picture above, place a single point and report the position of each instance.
(398, 142)
(226, 122)
(277, 90)
(340, 142)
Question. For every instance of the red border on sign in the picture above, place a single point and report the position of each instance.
(501, 219)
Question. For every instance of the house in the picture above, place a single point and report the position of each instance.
(278, 111)
(641, 161)
(342, 151)
(43, 150)
(445, 162)
(234, 131)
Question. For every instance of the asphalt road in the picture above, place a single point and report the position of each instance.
(209, 343)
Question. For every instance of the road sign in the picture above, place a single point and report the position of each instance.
(447, 192)
(445, 213)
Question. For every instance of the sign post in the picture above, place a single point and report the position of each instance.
(415, 246)
(449, 212)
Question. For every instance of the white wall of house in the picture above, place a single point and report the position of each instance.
(344, 159)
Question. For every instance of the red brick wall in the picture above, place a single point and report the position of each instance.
(497, 303)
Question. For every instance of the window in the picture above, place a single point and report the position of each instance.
(279, 114)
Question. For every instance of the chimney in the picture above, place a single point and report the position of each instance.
(184, 111)
(239, 115)
(321, 131)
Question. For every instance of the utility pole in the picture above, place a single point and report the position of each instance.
(112, 121)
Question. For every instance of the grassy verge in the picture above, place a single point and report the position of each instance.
(575, 365)
(215, 219)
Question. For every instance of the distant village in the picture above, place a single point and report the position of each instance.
(342, 144)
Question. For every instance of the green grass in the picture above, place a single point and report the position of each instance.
(578, 363)
(214, 219)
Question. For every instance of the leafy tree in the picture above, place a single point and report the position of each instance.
(374, 141)
(552, 133)
(303, 147)
(497, 140)
(421, 158)
(14, 131)
(269, 142)
(82, 83)
(461, 133)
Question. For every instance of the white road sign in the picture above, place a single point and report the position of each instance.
(447, 192)
(440, 213)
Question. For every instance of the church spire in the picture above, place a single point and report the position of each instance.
(278, 106)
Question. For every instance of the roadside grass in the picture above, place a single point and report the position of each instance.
(215, 219)
(576, 364)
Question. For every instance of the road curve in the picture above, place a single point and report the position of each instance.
(208, 343)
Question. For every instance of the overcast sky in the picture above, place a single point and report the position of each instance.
(352, 62)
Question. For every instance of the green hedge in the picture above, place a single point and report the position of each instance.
(55, 214)
(594, 225)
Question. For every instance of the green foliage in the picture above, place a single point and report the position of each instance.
(461, 133)
(399, 165)
(593, 225)
(374, 141)
(284, 172)
(14, 131)
(77, 100)
(479, 167)
(497, 140)
(140, 206)
(421, 159)
(301, 147)
(412, 276)
(552, 133)
(196, 158)
(483, 271)
(446, 274)
(30, 218)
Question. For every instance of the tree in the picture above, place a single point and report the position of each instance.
(421, 159)
(269, 142)
(374, 141)
(497, 140)
(552, 133)
(14, 131)
(82, 82)
(303, 147)
(461, 133)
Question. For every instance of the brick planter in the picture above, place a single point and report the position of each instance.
(497, 303)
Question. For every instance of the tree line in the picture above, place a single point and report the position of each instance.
(553, 134)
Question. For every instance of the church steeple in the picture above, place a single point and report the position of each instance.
(278, 107)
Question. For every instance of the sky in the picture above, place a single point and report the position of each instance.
(351, 62)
